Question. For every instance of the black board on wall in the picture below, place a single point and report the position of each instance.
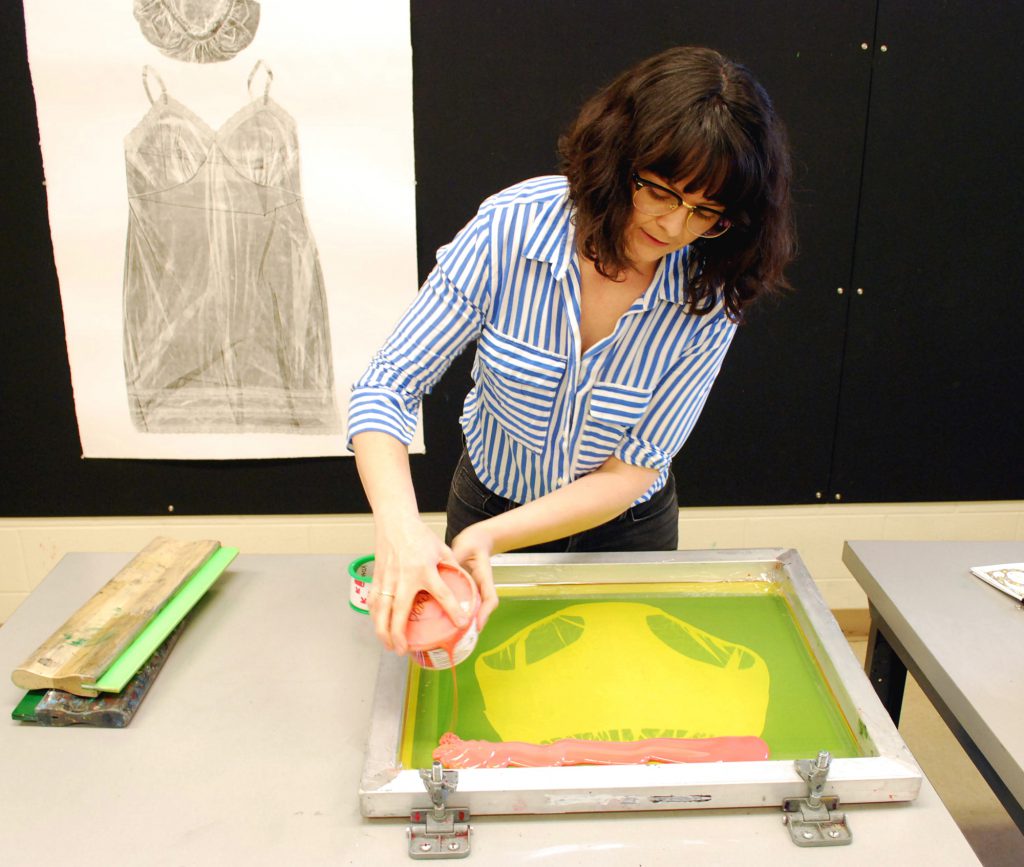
(494, 85)
(932, 404)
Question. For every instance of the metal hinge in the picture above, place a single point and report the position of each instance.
(812, 820)
(439, 831)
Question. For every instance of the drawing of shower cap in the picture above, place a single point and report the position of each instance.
(198, 31)
(620, 671)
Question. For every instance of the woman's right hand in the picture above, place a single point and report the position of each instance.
(473, 548)
(406, 556)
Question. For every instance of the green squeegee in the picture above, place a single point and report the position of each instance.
(26, 709)
(134, 656)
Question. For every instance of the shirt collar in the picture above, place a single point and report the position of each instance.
(668, 282)
(672, 277)
(551, 236)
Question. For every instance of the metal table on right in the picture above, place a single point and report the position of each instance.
(961, 639)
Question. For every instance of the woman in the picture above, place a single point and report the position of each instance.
(602, 301)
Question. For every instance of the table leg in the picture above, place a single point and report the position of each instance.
(888, 673)
(886, 670)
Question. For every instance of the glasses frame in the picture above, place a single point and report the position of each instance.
(639, 183)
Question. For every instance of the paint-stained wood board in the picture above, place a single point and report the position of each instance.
(75, 656)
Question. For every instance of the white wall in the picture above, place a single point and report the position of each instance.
(30, 547)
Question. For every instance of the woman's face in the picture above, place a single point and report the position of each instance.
(649, 238)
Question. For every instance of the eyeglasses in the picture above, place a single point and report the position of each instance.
(657, 201)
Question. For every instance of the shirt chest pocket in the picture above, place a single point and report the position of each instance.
(519, 384)
(612, 411)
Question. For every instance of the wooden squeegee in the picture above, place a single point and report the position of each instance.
(103, 644)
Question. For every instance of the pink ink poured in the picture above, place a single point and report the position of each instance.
(453, 752)
(435, 641)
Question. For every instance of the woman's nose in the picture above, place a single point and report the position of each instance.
(674, 222)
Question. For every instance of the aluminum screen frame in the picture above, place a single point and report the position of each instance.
(885, 772)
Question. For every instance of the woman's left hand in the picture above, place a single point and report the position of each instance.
(473, 548)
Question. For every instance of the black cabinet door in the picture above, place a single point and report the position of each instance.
(932, 400)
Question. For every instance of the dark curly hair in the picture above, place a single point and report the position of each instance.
(688, 114)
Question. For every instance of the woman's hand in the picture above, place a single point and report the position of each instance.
(406, 552)
(405, 562)
(473, 548)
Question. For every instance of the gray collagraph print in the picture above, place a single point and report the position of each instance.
(198, 31)
(225, 316)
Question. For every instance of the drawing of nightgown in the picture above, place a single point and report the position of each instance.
(225, 316)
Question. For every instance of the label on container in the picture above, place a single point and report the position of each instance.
(434, 640)
(361, 574)
(439, 657)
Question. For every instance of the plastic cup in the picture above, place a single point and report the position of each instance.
(360, 572)
(435, 641)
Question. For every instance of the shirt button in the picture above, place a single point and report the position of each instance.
(561, 480)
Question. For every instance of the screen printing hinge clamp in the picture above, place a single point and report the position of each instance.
(812, 821)
(439, 831)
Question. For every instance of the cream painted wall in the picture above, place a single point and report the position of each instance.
(30, 547)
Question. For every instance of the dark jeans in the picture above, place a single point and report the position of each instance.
(649, 526)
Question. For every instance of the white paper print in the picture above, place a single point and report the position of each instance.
(1008, 577)
(254, 286)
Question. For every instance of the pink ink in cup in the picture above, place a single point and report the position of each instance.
(435, 642)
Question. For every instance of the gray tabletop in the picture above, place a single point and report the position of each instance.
(249, 749)
(964, 637)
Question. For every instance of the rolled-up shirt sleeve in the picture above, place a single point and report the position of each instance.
(677, 400)
(445, 316)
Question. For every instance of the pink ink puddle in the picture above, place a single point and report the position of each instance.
(453, 752)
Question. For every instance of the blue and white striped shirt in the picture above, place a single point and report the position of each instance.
(540, 414)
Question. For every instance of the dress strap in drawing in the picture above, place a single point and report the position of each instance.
(148, 71)
(267, 79)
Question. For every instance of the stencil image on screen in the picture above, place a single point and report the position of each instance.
(625, 664)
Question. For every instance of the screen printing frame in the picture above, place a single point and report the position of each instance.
(886, 770)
